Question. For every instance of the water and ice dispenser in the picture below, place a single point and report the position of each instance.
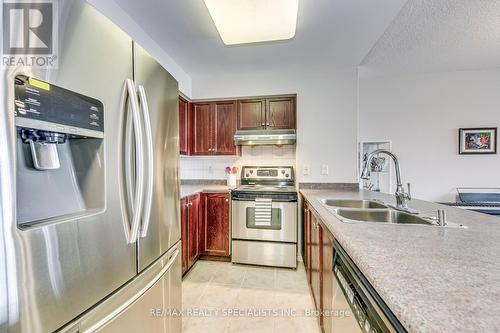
(59, 153)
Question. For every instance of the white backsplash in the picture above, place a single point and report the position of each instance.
(213, 167)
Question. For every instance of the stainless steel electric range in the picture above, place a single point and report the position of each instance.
(264, 217)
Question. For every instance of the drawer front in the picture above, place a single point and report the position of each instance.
(264, 253)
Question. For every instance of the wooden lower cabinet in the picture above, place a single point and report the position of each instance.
(184, 233)
(205, 227)
(318, 261)
(327, 281)
(193, 230)
(190, 216)
(216, 224)
(306, 255)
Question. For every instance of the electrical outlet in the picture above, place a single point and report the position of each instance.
(306, 170)
(324, 169)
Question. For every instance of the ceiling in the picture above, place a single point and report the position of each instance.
(330, 33)
(439, 35)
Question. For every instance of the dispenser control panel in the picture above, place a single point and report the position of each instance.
(41, 103)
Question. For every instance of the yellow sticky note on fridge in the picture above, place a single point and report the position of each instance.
(39, 84)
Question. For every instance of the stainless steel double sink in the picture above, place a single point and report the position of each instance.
(372, 211)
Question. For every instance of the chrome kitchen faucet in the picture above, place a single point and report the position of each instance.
(402, 197)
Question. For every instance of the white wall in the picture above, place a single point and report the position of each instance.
(326, 113)
(116, 14)
(421, 115)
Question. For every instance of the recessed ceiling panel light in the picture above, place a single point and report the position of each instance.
(251, 21)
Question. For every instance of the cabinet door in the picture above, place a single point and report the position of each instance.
(216, 224)
(225, 127)
(184, 234)
(327, 278)
(251, 114)
(193, 251)
(316, 260)
(307, 241)
(280, 112)
(184, 135)
(202, 129)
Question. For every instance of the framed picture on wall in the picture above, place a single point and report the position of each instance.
(477, 140)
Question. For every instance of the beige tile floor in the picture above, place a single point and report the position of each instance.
(265, 300)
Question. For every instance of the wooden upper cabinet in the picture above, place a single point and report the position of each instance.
(251, 114)
(216, 224)
(208, 128)
(225, 124)
(275, 112)
(280, 112)
(184, 126)
(214, 125)
(202, 129)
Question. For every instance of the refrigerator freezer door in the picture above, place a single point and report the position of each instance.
(148, 303)
(161, 219)
(49, 274)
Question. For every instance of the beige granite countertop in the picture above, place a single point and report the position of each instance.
(186, 190)
(433, 279)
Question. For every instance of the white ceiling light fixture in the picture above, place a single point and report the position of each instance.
(252, 21)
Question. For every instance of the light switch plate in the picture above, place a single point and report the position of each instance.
(324, 169)
(306, 170)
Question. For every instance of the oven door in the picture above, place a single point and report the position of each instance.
(283, 227)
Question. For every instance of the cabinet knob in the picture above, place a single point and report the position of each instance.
(263, 124)
(227, 200)
(268, 124)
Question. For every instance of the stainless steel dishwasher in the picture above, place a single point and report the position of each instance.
(357, 307)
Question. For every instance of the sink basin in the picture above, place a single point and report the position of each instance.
(363, 204)
(382, 216)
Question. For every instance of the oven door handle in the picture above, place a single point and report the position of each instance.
(251, 199)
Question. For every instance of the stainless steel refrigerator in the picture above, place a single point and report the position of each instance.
(89, 191)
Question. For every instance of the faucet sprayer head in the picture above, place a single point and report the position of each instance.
(365, 174)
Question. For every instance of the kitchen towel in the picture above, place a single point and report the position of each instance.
(263, 211)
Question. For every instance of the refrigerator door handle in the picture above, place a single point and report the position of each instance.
(149, 159)
(113, 314)
(135, 196)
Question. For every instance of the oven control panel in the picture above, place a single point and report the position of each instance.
(284, 173)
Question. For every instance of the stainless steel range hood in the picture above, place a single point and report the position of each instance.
(265, 137)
